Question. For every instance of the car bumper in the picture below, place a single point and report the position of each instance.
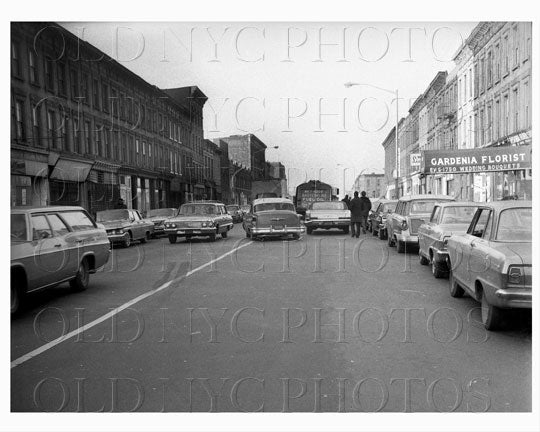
(407, 238)
(182, 232)
(115, 238)
(327, 223)
(513, 298)
(278, 232)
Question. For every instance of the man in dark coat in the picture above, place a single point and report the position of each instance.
(365, 207)
(347, 200)
(355, 206)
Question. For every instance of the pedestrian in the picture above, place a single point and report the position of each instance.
(365, 207)
(347, 200)
(120, 204)
(355, 207)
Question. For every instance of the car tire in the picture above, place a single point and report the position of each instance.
(247, 234)
(212, 237)
(295, 237)
(400, 246)
(382, 234)
(423, 260)
(309, 230)
(17, 298)
(145, 238)
(82, 279)
(346, 230)
(127, 241)
(455, 289)
(491, 315)
(389, 240)
(224, 234)
(172, 239)
(437, 270)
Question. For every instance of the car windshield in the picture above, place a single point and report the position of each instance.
(458, 215)
(197, 209)
(329, 205)
(273, 206)
(18, 227)
(388, 207)
(515, 225)
(161, 212)
(233, 208)
(111, 215)
(420, 207)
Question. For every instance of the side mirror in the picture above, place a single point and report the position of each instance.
(132, 219)
(44, 235)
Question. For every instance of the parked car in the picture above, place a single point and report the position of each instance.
(235, 212)
(446, 219)
(492, 262)
(377, 219)
(199, 219)
(158, 217)
(245, 209)
(411, 212)
(374, 205)
(327, 215)
(273, 217)
(125, 226)
(51, 245)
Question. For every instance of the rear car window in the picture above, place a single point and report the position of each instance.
(78, 221)
(329, 205)
(515, 225)
(58, 226)
(41, 228)
(18, 227)
(419, 207)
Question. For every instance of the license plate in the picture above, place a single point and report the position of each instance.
(278, 227)
(180, 232)
(196, 232)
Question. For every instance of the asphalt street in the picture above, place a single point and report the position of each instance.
(327, 323)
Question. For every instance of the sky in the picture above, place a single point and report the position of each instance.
(284, 82)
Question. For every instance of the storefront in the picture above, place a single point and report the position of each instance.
(67, 182)
(481, 174)
(29, 182)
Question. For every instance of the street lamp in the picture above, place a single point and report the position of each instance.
(396, 93)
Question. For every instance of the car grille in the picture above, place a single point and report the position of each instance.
(188, 224)
(415, 224)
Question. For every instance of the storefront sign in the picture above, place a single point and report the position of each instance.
(416, 159)
(504, 158)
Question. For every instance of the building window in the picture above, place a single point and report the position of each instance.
(95, 94)
(137, 158)
(49, 78)
(105, 97)
(76, 136)
(97, 148)
(51, 130)
(88, 137)
(86, 88)
(489, 68)
(18, 120)
(516, 46)
(506, 48)
(526, 95)
(506, 115)
(15, 60)
(36, 132)
(32, 66)
(488, 124)
(74, 78)
(516, 109)
(496, 124)
(114, 103)
(61, 74)
(497, 62)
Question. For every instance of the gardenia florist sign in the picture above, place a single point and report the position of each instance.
(504, 158)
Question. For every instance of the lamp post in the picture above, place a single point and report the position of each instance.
(396, 93)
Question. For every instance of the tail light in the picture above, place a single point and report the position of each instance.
(404, 225)
(515, 275)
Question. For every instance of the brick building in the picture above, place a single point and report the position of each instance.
(85, 130)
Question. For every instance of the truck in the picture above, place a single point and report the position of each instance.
(265, 189)
(309, 192)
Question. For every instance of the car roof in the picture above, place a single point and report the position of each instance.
(426, 197)
(458, 204)
(271, 200)
(204, 202)
(37, 209)
(500, 205)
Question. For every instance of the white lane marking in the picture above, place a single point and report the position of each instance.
(113, 312)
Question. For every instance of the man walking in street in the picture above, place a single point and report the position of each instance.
(347, 200)
(365, 207)
(355, 206)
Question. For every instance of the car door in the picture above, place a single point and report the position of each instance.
(430, 228)
(469, 262)
(50, 261)
(138, 226)
(479, 260)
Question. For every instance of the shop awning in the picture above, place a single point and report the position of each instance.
(71, 170)
(29, 168)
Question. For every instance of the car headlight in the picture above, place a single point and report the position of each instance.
(170, 225)
(404, 225)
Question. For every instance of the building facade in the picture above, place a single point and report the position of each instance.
(485, 101)
(248, 151)
(373, 184)
(86, 131)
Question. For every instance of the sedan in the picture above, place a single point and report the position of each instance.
(492, 262)
(446, 220)
(125, 225)
(327, 215)
(158, 217)
(273, 217)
